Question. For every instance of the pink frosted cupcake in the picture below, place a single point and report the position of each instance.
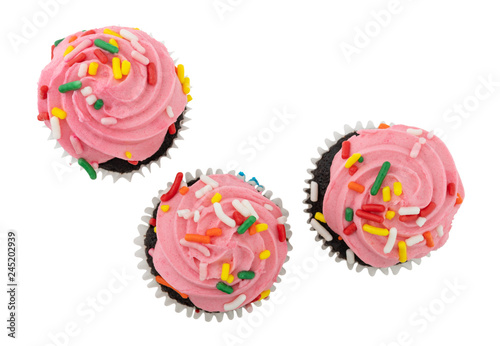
(113, 99)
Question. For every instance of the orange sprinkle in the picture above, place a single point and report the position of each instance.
(161, 281)
(340, 238)
(197, 238)
(356, 187)
(183, 190)
(459, 199)
(72, 38)
(252, 230)
(428, 238)
(383, 126)
(213, 232)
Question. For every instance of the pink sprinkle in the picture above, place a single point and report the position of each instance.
(151, 252)
(415, 150)
(137, 46)
(139, 57)
(108, 121)
(94, 165)
(203, 271)
(203, 249)
(84, 44)
(77, 145)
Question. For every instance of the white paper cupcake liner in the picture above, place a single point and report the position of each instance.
(152, 283)
(350, 263)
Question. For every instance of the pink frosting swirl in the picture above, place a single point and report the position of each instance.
(136, 109)
(183, 267)
(424, 178)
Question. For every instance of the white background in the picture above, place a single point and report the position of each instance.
(246, 63)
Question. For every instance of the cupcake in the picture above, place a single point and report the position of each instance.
(214, 244)
(383, 197)
(113, 99)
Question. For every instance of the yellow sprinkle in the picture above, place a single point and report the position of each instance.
(264, 294)
(111, 32)
(68, 50)
(261, 227)
(386, 194)
(93, 66)
(264, 254)
(224, 275)
(113, 42)
(230, 279)
(403, 257)
(117, 72)
(165, 208)
(398, 188)
(58, 112)
(154, 229)
(390, 214)
(128, 154)
(375, 230)
(180, 73)
(186, 86)
(190, 98)
(216, 198)
(137, 29)
(125, 67)
(352, 160)
(320, 217)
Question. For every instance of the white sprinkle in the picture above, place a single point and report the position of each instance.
(55, 127)
(430, 134)
(84, 44)
(223, 217)
(391, 240)
(189, 215)
(203, 249)
(268, 207)
(415, 150)
(439, 230)
(139, 57)
(77, 145)
(321, 230)
(204, 190)
(86, 91)
(183, 212)
(235, 303)
(247, 205)
(281, 220)
(91, 99)
(137, 46)
(94, 165)
(170, 112)
(422, 140)
(414, 240)
(108, 121)
(409, 211)
(82, 70)
(420, 221)
(203, 271)
(241, 208)
(349, 254)
(128, 35)
(196, 217)
(416, 132)
(209, 181)
(314, 191)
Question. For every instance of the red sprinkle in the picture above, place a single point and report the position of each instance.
(238, 217)
(452, 189)
(88, 32)
(171, 129)
(43, 92)
(281, 232)
(101, 56)
(408, 218)
(52, 51)
(427, 210)
(152, 222)
(43, 116)
(379, 208)
(459, 199)
(256, 298)
(350, 229)
(72, 38)
(79, 58)
(346, 149)
(135, 163)
(353, 169)
(173, 189)
(369, 216)
(428, 239)
(151, 73)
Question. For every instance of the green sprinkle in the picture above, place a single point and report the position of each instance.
(58, 41)
(87, 166)
(106, 46)
(348, 214)
(224, 288)
(361, 159)
(246, 225)
(98, 104)
(246, 274)
(380, 177)
(70, 86)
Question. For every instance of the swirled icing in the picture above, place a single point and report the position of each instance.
(424, 178)
(137, 109)
(179, 265)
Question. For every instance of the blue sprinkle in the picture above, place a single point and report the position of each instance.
(241, 174)
(255, 180)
